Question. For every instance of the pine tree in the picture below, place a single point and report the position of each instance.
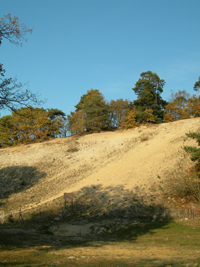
(95, 111)
(148, 89)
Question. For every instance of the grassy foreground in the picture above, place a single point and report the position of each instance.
(148, 244)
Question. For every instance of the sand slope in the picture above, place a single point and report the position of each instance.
(32, 175)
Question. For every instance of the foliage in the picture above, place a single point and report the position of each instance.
(148, 89)
(28, 125)
(8, 130)
(174, 111)
(182, 106)
(132, 118)
(194, 106)
(91, 115)
(182, 183)
(12, 30)
(181, 97)
(129, 119)
(118, 109)
(146, 116)
(54, 113)
(177, 108)
(194, 151)
(193, 177)
(78, 124)
(197, 86)
(57, 116)
(96, 112)
(11, 94)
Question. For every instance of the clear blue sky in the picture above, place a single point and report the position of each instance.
(77, 45)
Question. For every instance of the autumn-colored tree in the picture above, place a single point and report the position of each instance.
(194, 106)
(76, 122)
(32, 123)
(118, 109)
(8, 131)
(78, 125)
(128, 119)
(12, 30)
(132, 118)
(177, 108)
(28, 125)
(146, 116)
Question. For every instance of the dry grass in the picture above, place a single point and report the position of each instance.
(148, 244)
(181, 183)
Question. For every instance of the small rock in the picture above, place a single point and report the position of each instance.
(71, 257)
(57, 219)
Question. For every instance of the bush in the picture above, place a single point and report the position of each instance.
(183, 184)
(184, 181)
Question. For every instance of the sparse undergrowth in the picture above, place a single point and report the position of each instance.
(183, 183)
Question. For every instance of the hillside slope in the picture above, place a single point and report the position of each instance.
(101, 169)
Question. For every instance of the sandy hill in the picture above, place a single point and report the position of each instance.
(105, 170)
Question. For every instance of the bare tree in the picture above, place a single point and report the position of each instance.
(11, 94)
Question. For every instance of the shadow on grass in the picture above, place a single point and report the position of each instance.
(107, 214)
(15, 179)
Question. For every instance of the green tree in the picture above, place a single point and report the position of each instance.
(57, 117)
(197, 86)
(54, 113)
(194, 151)
(148, 90)
(95, 111)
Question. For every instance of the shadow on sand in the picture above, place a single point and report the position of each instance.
(99, 213)
(15, 179)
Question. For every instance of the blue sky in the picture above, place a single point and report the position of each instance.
(77, 45)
